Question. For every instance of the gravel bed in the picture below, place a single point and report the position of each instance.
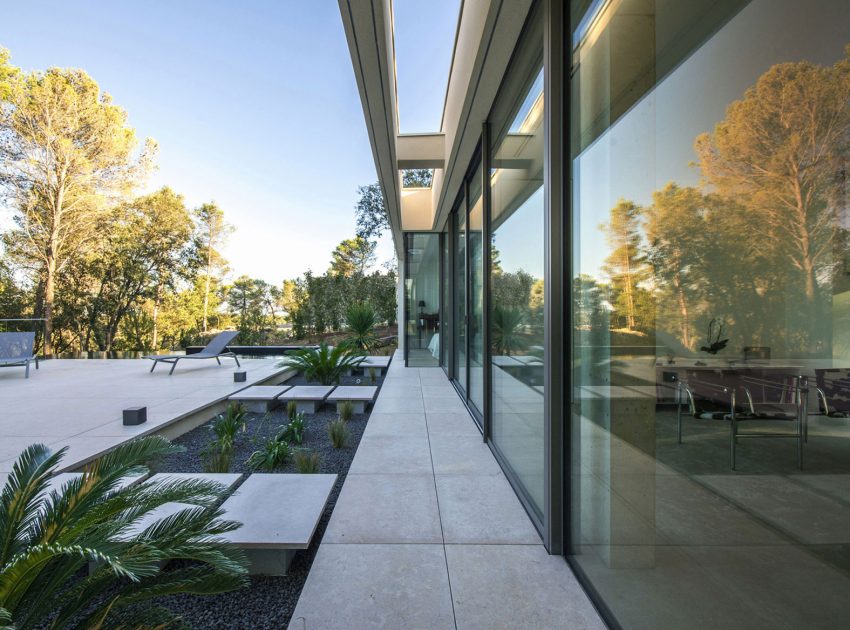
(269, 601)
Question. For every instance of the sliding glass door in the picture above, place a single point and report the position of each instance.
(476, 292)
(460, 299)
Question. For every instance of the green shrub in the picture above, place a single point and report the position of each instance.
(372, 374)
(324, 364)
(227, 425)
(294, 431)
(48, 537)
(338, 433)
(361, 320)
(346, 410)
(218, 460)
(273, 455)
(307, 462)
(291, 409)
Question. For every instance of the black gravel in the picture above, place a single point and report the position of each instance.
(269, 601)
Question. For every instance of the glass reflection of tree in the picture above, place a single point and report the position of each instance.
(760, 242)
(517, 313)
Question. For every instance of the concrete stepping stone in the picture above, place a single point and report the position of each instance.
(61, 479)
(279, 514)
(260, 398)
(379, 364)
(308, 398)
(169, 509)
(360, 396)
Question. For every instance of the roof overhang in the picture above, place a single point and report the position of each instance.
(487, 33)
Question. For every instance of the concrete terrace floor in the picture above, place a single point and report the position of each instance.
(79, 403)
(427, 533)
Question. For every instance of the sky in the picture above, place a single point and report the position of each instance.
(254, 106)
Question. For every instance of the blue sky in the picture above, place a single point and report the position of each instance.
(254, 105)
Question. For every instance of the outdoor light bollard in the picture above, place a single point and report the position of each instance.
(240, 377)
(135, 415)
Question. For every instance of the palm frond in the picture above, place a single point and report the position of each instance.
(50, 536)
(324, 364)
(22, 495)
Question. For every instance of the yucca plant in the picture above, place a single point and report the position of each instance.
(338, 433)
(294, 431)
(324, 364)
(273, 455)
(360, 319)
(48, 536)
(307, 462)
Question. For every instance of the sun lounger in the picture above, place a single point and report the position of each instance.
(16, 349)
(213, 350)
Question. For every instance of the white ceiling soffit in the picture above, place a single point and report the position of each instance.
(421, 150)
(487, 35)
(368, 29)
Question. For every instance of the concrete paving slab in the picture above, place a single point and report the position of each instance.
(260, 392)
(392, 455)
(444, 423)
(491, 589)
(396, 424)
(360, 396)
(444, 404)
(169, 509)
(399, 405)
(376, 362)
(308, 398)
(277, 511)
(260, 398)
(483, 509)
(457, 455)
(376, 586)
(78, 403)
(402, 509)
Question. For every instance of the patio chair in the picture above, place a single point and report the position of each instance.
(213, 350)
(16, 349)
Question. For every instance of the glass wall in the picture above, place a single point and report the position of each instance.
(517, 262)
(422, 299)
(711, 311)
(459, 288)
(476, 291)
(445, 302)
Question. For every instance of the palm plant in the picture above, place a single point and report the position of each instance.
(361, 320)
(274, 454)
(506, 324)
(324, 364)
(48, 537)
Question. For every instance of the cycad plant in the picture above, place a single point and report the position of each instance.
(47, 537)
(361, 320)
(324, 364)
(506, 330)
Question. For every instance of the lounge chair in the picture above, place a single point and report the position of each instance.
(213, 350)
(16, 349)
